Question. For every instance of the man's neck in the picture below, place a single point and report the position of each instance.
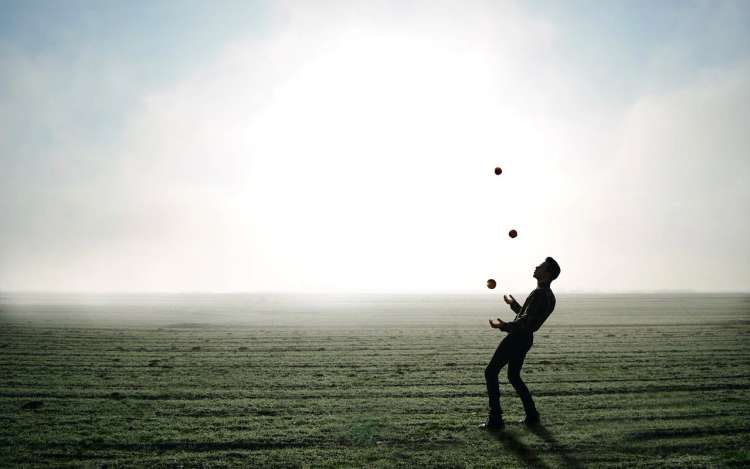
(540, 284)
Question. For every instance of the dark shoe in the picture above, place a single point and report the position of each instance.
(493, 424)
(532, 419)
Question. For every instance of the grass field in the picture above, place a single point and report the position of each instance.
(620, 380)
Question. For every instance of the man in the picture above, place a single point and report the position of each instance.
(513, 348)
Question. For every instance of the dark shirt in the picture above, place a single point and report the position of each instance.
(535, 310)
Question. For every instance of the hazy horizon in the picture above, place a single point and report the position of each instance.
(364, 293)
(289, 146)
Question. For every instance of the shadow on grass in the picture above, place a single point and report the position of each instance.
(514, 445)
(559, 449)
(529, 456)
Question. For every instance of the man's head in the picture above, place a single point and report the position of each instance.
(547, 271)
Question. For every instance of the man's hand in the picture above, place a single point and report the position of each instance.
(497, 325)
(509, 299)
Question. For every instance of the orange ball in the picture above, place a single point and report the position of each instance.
(491, 284)
(513, 233)
(498, 170)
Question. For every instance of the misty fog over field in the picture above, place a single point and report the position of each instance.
(301, 311)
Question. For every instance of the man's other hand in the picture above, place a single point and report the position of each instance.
(509, 299)
(497, 325)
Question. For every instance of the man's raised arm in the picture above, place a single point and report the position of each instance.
(513, 303)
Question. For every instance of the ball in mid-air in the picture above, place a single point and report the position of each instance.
(498, 170)
(491, 283)
(512, 233)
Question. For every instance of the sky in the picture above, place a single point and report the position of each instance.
(186, 146)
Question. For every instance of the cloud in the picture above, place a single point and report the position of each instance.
(668, 206)
(353, 149)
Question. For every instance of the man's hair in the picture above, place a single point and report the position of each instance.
(552, 267)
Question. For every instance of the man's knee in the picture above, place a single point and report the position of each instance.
(491, 372)
(514, 376)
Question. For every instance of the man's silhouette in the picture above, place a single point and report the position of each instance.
(513, 348)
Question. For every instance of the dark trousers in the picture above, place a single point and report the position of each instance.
(511, 351)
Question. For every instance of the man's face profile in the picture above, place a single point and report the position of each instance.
(541, 271)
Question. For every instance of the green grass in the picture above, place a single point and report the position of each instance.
(669, 390)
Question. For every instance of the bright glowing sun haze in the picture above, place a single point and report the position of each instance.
(352, 147)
